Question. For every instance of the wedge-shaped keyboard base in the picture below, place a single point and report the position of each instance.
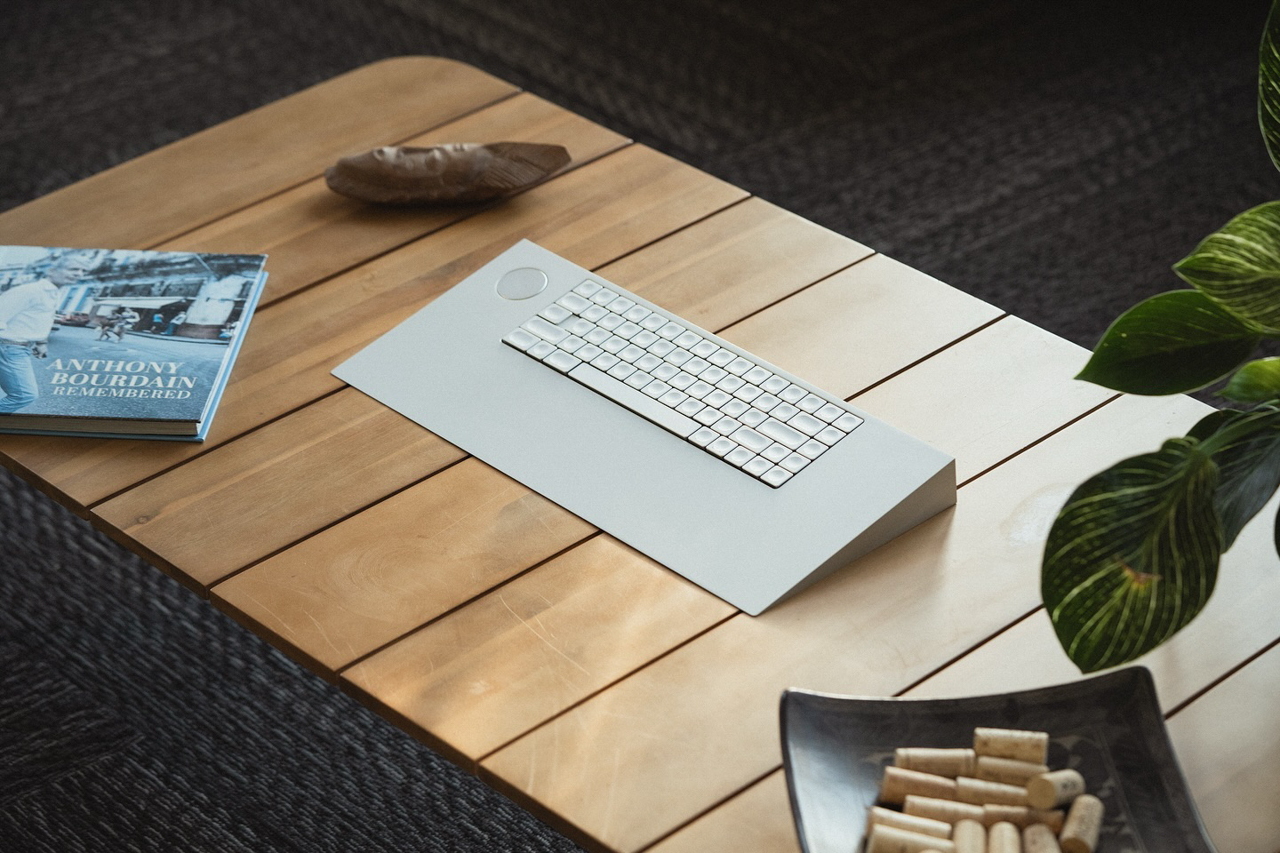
(741, 477)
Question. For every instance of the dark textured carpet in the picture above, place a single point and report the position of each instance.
(1054, 159)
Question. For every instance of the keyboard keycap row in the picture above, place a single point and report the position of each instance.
(732, 407)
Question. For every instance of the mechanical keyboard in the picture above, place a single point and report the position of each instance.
(717, 464)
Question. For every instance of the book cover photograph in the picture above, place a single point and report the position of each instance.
(120, 343)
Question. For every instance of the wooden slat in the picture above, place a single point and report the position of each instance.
(163, 517)
(701, 723)
(311, 233)
(1239, 619)
(351, 588)
(1229, 749)
(479, 677)
(758, 819)
(421, 687)
(198, 179)
(591, 215)
(226, 509)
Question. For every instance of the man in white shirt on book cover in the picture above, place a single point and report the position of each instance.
(26, 318)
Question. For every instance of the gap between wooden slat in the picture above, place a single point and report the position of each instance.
(1230, 672)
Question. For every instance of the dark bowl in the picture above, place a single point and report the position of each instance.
(1109, 728)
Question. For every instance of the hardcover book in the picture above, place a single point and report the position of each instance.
(120, 343)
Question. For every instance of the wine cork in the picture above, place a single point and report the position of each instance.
(969, 836)
(1012, 743)
(940, 762)
(1084, 819)
(899, 781)
(922, 825)
(1023, 816)
(1039, 838)
(890, 839)
(1003, 837)
(1010, 771)
(1054, 789)
(982, 792)
(948, 811)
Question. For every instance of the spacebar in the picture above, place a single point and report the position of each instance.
(629, 398)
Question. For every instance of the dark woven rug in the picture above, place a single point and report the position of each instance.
(1054, 159)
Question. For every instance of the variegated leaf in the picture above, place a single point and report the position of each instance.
(1269, 84)
(1256, 382)
(1133, 555)
(1246, 448)
(1238, 266)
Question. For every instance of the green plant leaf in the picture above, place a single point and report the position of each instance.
(1170, 343)
(1238, 266)
(1133, 555)
(1246, 448)
(1269, 84)
(1256, 382)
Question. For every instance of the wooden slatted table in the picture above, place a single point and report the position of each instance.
(625, 706)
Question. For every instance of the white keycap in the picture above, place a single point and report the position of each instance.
(690, 407)
(829, 412)
(716, 398)
(661, 347)
(610, 321)
(807, 424)
(695, 365)
(671, 331)
(734, 408)
(603, 296)
(629, 398)
(614, 345)
(756, 375)
(774, 384)
(784, 412)
(588, 352)
(705, 348)
(782, 433)
(720, 357)
(750, 439)
(594, 313)
(688, 339)
(521, 339)
(748, 393)
(699, 389)
(765, 402)
(794, 462)
(648, 361)
(792, 394)
(704, 436)
(627, 330)
(572, 302)
(554, 313)
(847, 422)
(579, 327)
(636, 313)
(708, 416)
(757, 466)
(620, 370)
(776, 452)
(811, 403)
(739, 456)
(656, 388)
(573, 343)
(738, 366)
(721, 446)
(776, 476)
(665, 371)
(562, 361)
(674, 398)
(587, 288)
(752, 417)
(604, 361)
(630, 353)
(544, 330)
(730, 383)
(541, 350)
(644, 339)
(621, 305)
(726, 426)
(653, 322)
(681, 380)
(678, 356)
(812, 449)
(712, 374)
(598, 336)
(639, 379)
(829, 436)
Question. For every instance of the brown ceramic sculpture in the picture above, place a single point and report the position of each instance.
(443, 174)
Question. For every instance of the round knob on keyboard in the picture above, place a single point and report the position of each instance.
(522, 283)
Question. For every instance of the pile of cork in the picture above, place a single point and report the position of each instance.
(999, 797)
